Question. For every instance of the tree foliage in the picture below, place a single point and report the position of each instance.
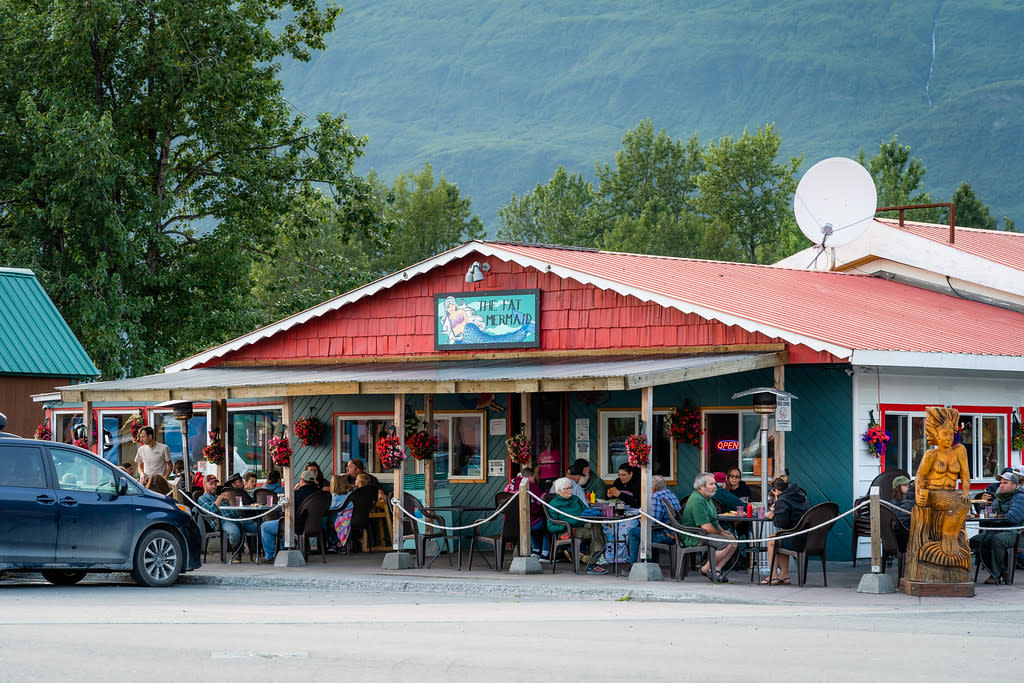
(747, 195)
(148, 155)
(971, 212)
(428, 217)
(555, 213)
(899, 179)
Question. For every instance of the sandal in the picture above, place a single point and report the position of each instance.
(768, 581)
(782, 582)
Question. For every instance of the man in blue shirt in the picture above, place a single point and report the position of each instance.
(661, 500)
(991, 544)
(212, 501)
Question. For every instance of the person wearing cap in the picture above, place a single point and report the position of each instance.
(574, 475)
(213, 502)
(902, 499)
(989, 494)
(268, 532)
(590, 483)
(990, 544)
(237, 485)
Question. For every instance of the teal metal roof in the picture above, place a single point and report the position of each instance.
(34, 339)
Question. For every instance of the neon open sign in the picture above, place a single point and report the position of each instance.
(728, 445)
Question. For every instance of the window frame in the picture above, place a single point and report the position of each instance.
(603, 441)
(975, 459)
(480, 415)
(229, 459)
(193, 459)
(739, 412)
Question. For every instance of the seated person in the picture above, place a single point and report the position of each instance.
(989, 494)
(268, 532)
(237, 490)
(728, 499)
(339, 490)
(69, 481)
(991, 544)
(321, 482)
(900, 497)
(589, 482)
(701, 512)
(213, 501)
(735, 485)
(661, 499)
(158, 484)
(274, 482)
(574, 475)
(590, 533)
(355, 467)
(362, 499)
(249, 482)
(627, 487)
(539, 537)
(129, 469)
(790, 505)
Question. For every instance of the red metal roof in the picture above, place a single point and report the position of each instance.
(857, 312)
(1006, 248)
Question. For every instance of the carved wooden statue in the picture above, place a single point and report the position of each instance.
(937, 551)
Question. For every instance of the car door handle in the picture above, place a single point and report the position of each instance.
(44, 499)
(68, 500)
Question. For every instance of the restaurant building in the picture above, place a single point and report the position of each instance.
(493, 338)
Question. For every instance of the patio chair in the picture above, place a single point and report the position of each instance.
(683, 552)
(314, 508)
(892, 544)
(507, 535)
(557, 541)
(861, 518)
(1011, 558)
(412, 530)
(815, 540)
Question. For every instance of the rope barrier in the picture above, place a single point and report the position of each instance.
(479, 522)
(206, 513)
(972, 519)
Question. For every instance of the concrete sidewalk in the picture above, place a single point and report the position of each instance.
(363, 573)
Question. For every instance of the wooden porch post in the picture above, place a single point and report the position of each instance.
(644, 570)
(88, 422)
(780, 437)
(428, 465)
(398, 559)
(289, 510)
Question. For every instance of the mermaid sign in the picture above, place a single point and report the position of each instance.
(487, 320)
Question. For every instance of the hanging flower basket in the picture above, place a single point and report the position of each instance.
(280, 451)
(520, 449)
(877, 439)
(309, 431)
(1018, 435)
(214, 451)
(389, 451)
(638, 450)
(44, 433)
(684, 426)
(135, 425)
(81, 442)
(422, 445)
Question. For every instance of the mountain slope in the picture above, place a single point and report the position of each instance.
(498, 94)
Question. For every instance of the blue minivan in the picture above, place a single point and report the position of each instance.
(65, 512)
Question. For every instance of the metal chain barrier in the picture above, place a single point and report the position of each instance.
(206, 513)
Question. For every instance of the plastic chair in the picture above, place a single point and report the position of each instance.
(815, 543)
(861, 518)
(509, 533)
(679, 568)
(411, 529)
(892, 545)
(557, 541)
(314, 508)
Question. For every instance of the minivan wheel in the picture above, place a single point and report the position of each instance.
(158, 559)
(63, 577)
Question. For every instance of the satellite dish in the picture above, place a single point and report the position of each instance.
(835, 201)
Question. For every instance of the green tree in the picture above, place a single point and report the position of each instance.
(971, 212)
(747, 197)
(647, 200)
(149, 154)
(555, 213)
(899, 179)
(428, 218)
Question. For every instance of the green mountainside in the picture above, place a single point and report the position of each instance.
(497, 94)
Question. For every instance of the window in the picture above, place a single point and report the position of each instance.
(122, 449)
(460, 443)
(64, 425)
(616, 425)
(250, 431)
(77, 472)
(167, 430)
(732, 438)
(21, 466)
(982, 431)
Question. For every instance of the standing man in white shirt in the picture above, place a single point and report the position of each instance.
(152, 457)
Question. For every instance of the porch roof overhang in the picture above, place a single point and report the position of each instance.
(517, 375)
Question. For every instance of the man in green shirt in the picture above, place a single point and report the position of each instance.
(700, 512)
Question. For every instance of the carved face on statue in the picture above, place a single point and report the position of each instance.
(944, 436)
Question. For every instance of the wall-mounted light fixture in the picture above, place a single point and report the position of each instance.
(477, 270)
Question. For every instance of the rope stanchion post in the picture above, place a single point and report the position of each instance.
(524, 563)
(876, 581)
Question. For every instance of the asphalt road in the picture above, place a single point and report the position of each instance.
(116, 631)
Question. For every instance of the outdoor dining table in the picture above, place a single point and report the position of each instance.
(752, 551)
(246, 512)
(459, 510)
(616, 519)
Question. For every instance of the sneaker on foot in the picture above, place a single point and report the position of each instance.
(597, 569)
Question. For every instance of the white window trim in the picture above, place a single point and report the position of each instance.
(603, 457)
(229, 459)
(480, 415)
(974, 458)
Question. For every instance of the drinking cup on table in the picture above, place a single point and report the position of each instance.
(238, 501)
(270, 500)
(760, 512)
(741, 510)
